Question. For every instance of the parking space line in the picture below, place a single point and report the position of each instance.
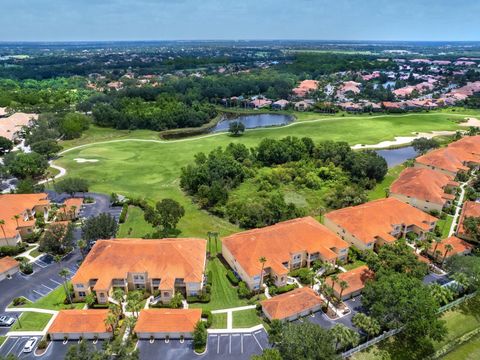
(39, 293)
(230, 345)
(49, 288)
(15, 344)
(241, 344)
(218, 345)
(258, 342)
(56, 282)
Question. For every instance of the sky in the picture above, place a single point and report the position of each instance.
(91, 20)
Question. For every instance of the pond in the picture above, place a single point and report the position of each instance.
(396, 157)
(253, 121)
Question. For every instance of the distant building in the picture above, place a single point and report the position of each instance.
(8, 267)
(470, 209)
(460, 247)
(305, 87)
(355, 278)
(280, 104)
(424, 188)
(304, 105)
(80, 324)
(167, 323)
(259, 103)
(378, 222)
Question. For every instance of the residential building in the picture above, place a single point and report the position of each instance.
(378, 222)
(292, 305)
(18, 212)
(280, 104)
(163, 266)
(8, 267)
(424, 188)
(11, 126)
(355, 279)
(285, 246)
(72, 208)
(305, 87)
(259, 103)
(459, 247)
(458, 156)
(163, 323)
(303, 105)
(80, 324)
(470, 209)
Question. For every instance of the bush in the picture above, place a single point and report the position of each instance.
(243, 291)
(208, 316)
(123, 214)
(26, 268)
(19, 301)
(232, 278)
(273, 290)
(12, 250)
(42, 344)
(304, 274)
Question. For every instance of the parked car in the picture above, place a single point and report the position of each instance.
(30, 345)
(6, 321)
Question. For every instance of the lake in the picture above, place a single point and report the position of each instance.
(396, 157)
(254, 121)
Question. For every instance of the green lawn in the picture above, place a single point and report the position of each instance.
(445, 225)
(135, 225)
(354, 265)
(224, 295)
(467, 351)
(2, 339)
(245, 318)
(30, 321)
(53, 301)
(380, 190)
(219, 321)
(35, 253)
(151, 169)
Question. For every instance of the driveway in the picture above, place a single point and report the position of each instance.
(219, 346)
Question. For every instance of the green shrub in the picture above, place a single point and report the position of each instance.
(42, 344)
(208, 316)
(123, 214)
(232, 278)
(19, 301)
(243, 291)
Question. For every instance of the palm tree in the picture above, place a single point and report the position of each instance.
(72, 210)
(344, 336)
(462, 280)
(438, 241)
(368, 324)
(448, 248)
(16, 217)
(118, 295)
(111, 321)
(343, 286)
(437, 255)
(328, 294)
(262, 260)
(443, 295)
(334, 279)
(82, 245)
(64, 274)
(2, 223)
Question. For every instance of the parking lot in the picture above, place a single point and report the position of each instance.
(219, 346)
(14, 346)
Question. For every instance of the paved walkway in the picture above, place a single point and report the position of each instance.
(458, 208)
(229, 313)
(236, 331)
(62, 172)
(22, 309)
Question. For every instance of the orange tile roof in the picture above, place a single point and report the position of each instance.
(167, 320)
(291, 303)
(376, 218)
(459, 246)
(80, 321)
(278, 242)
(455, 155)
(12, 124)
(355, 278)
(17, 204)
(470, 209)
(165, 259)
(424, 184)
(7, 263)
(77, 202)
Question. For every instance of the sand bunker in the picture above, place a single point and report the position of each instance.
(471, 122)
(81, 160)
(402, 140)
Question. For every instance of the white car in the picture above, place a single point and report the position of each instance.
(30, 345)
(6, 321)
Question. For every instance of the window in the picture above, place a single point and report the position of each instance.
(166, 294)
(102, 295)
(79, 286)
(81, 293)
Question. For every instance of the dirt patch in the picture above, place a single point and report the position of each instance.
(82, 160)
(471, 122)
(402, 140)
